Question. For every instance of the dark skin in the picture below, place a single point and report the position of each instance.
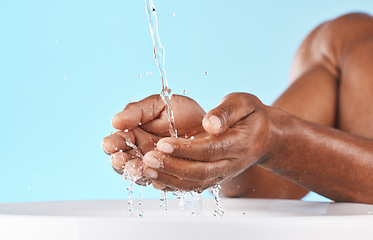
(317, 136)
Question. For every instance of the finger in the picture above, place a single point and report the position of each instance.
(144, 181)
(138, 113)
(186, 169)
(232, 108)
(188, 117)
(180, 184)
(144, 140)
(117, 141)
(158, 185)
(211, 148)
(119, 159)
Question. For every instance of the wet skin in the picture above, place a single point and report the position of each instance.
(317, 136)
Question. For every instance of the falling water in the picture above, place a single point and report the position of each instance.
(159, 55)
(130, 198)
(219, 211)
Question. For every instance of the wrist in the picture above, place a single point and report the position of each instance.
(281, 126)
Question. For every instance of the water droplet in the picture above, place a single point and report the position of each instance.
(192, 137)
(125, 130)
(140, 123)
(120, 150)
(115, 148)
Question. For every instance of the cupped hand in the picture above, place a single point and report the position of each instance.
(238, 136)
(143, 123)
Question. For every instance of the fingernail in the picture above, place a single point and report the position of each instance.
(150, 173)
(113, 158)
(158, 185)
(215, 121)
(116, 161)
(165, 147)
(151, 161)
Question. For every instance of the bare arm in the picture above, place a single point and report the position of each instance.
(314, 94)
(334, 163)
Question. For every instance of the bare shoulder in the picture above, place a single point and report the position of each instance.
(346, 31)
(328, 43)
(355, 20)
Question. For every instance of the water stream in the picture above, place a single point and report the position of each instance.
(159, 55)
(191, 200)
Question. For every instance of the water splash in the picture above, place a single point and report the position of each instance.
(159, 55)
(128, 174)
(219, 211)
(130, 198)
(135, 148)
(181, 197)
(163, 201)
(141, 213)
(196, 204)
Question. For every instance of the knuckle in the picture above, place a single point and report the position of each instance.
(130, 105)
(210, 151)
(216, 149)
(252, 100)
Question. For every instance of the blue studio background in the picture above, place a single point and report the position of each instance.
(66, 67)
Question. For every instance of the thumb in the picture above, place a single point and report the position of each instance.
(231, 109)
(138, 113)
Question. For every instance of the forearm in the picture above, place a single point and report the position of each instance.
(333, 163)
